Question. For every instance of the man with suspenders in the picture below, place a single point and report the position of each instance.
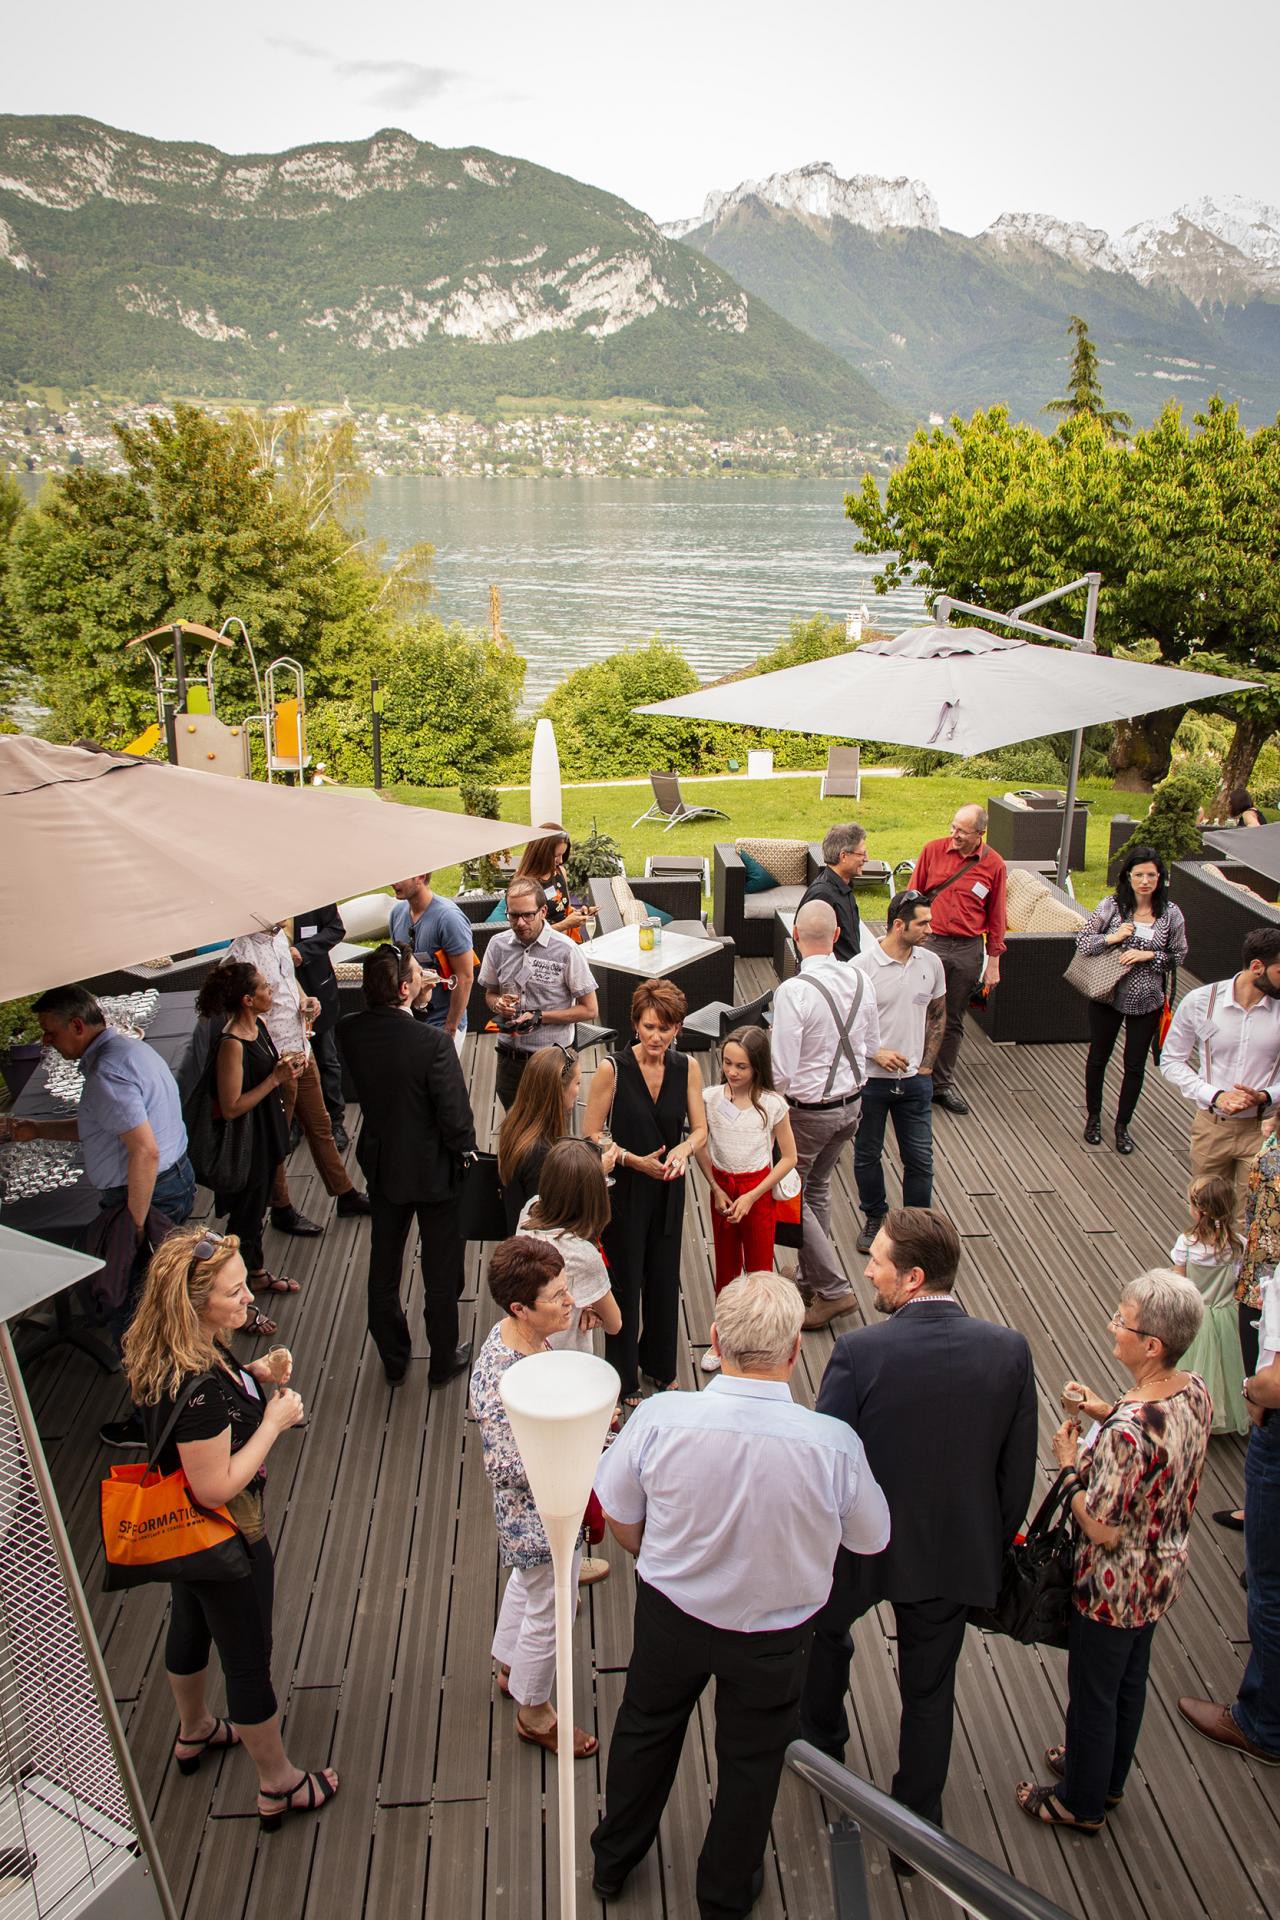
(825, 1028)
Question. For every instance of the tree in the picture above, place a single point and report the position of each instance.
(1182, 525)
(1083, 400)
(12, 507)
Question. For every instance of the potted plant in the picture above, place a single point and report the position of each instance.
(20, 1043)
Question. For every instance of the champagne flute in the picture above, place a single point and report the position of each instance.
(280, 1361)
(604, 1140)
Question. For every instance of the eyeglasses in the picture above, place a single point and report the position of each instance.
(206, 1247)
(1117, 1325)
(531, 915)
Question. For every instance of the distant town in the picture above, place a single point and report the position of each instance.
(53, 434)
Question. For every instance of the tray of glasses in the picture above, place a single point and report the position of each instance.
(29, 1168)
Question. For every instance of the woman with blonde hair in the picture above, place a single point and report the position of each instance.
(218, 1421)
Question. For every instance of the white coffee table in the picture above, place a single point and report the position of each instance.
(620, 956)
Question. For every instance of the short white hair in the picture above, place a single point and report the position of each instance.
(1170, 1309)
(758, 1320)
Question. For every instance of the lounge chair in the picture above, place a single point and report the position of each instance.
(843, 776)
(669, 804)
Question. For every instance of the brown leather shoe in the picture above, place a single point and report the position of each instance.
(821, 1311)
(1217, 1724)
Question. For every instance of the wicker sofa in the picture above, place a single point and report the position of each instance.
(1033, 1003)
(747, 918)
(1024, 832)
(1219, 912)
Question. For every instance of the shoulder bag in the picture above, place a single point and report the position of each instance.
(220, 1151)
(154, 1529)
(481, 1213)
(1034, 1601)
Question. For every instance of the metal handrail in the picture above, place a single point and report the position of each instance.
(975, 1884)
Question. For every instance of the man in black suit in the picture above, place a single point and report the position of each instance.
(416, 1132)
(945, 1407)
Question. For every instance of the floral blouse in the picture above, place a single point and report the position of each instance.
(1142, 1474)
(1141, 989)
(522, 1540)
(1261, 1223)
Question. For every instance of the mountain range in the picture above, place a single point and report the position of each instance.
(385, 271)
(1183, 306)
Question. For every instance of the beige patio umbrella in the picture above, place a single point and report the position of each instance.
(107, 860)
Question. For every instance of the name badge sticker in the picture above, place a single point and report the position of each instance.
(307, 933)
(981, 889)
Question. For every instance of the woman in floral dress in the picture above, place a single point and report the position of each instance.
(1133, 1493)
(527, 1280)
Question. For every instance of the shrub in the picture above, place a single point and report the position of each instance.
(595, 856)
(482, 875)
(1171, 823)
(17, 1022)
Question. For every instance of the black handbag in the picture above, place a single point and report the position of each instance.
(220, 1151)
(1034, 1601)
(481, 1212)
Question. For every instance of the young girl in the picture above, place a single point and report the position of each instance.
(1209, 1254)
(571, 1210)
(746, 1120)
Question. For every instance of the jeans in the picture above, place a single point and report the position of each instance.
(910, 1105)
(1257, 1707)
(1106, 1693)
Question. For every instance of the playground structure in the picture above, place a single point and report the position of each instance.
(186, 707)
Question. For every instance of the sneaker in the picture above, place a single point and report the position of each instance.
(711, 1361)
(123, 1433)
(870, 1228)
(821, 1312)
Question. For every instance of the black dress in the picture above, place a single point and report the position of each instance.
(642, 1239)
(246, 1210)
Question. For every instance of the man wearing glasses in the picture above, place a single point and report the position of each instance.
(537, 984)
(964, 882)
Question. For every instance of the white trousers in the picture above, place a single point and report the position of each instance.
(525, 1639)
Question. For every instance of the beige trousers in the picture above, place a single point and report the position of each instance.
(1227, 1144)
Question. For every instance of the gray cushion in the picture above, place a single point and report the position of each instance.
(762, 906)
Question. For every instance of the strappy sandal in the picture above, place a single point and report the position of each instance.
(1038, 1804)
(257, 1325)
(222, 1736)
(1055, 1758)
(274, 1282)
(584, 1744)
(633, 1400)
(320, 1790)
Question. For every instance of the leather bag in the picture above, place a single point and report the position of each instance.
(1034, 1601)
(1096, 975)
(153, 1528)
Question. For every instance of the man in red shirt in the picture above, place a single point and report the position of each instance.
(965, 882)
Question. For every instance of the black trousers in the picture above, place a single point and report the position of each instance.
(962, 960)
(442, 1277)
(1249, 1341)
(642, 1246)
(235, 1617)
(246, 1212)
(1105, 1022)
(508, 1073)
(758, 1678)
(1106, 1694)
(325, 1048)
(930, 1636)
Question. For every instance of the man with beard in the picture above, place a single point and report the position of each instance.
(1234, 1026)
(945, 1407)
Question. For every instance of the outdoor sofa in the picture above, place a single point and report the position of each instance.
(680, 895)
(1018, 830)
(1033, 1003)
(748, 918)
(1219, 911)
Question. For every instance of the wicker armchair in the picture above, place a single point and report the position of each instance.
(1219, 913)
(1033, 1003)
(747, 918)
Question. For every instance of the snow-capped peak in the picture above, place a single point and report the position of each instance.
(1070, 239)
(818, 192)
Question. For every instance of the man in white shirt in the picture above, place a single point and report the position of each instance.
(736, 1501)
(910, 989)
(825, 1029)
(1234, 1027)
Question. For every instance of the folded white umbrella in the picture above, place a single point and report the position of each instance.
(109, 860)
(962, 690)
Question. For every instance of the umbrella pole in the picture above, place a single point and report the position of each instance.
(1077, 743)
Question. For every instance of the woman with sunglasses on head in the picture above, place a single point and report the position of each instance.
(543, 860)
(1132, 1493)
(248, 1073)
(176, 1355)
(539, 1115)
(1140, 920)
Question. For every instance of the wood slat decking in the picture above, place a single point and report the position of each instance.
(388, 1582)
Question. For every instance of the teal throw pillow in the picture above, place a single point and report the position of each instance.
(659, 914)
(759, 878)
(499, 911)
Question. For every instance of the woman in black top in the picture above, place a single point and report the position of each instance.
(248, 1074)
(647, 1099)
(1241, 808)
(543, 860)
(194, 1297)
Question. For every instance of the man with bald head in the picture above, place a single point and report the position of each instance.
(963, 881)
(825, 1028)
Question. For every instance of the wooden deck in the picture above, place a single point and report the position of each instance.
(388, 1581)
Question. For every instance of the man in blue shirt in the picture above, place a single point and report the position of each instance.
(428, 925)
(735, 1501)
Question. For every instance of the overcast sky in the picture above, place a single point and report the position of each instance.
(1107, 113)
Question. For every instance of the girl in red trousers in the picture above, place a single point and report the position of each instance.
(746, 1121)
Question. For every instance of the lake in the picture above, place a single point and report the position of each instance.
(718, 568)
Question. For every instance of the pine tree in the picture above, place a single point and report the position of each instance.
(1084, 397)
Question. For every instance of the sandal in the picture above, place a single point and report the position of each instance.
(633, 1400)
(1039, 1804)
(257, 1325)
(1055, 1758)
(584, 1744)
(265, 1282)
(503, 1677)
(223, 1735)
(663, 1386)
(320, 1790)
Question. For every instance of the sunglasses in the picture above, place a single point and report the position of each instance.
(205, 1247)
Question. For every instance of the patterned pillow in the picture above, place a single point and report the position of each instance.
(1022, 890)
(1051, 915)
(632, 911)
(787, 860)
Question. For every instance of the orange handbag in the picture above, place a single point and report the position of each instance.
(154, 1529)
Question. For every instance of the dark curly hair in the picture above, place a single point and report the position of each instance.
(226, 988)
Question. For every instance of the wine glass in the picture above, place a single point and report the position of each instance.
(604, 1140)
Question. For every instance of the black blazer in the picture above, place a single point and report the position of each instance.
(417, 1117)
(945, 1406)
(315, 969)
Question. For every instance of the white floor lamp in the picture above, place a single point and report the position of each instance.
(560, 1405)
(546, 804)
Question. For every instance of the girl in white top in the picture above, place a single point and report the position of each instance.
(571, 1209)
(746, 1120)
(1209, 1254)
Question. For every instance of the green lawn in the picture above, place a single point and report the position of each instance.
(899, 815)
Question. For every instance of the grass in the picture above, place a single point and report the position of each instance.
(899, 815)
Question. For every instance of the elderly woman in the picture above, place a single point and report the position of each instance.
(1141, 921)
(647, 1101)
(229, 1417)
(527, 1280)
(1133, 1491)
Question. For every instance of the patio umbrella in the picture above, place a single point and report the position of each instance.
(961, 690)
(109, 860)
